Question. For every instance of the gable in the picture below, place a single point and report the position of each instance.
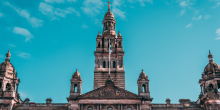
(109, 92)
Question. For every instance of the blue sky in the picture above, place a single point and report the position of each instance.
(50, 39)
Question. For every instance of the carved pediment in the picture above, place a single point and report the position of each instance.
(109, 92)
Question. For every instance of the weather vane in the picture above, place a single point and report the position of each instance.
(109, 5)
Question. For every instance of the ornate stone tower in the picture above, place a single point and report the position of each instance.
(210, 82)
(143, 85)
(76, 82)
(102, 54)
(75, 90)
(8, 84)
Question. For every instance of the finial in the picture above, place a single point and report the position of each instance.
(99, 33)
(76, 69)
(8, 55)
(210, 56)
(109, 5)
(142, 70)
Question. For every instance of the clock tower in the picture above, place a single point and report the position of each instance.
(103, 41)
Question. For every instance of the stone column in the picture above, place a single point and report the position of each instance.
(201, 89)
(17, 88)
(148, 87)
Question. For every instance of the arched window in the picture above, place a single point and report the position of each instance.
(114, 66)
(8, 86)
(129, 108)
(75, 88)
(89, 108)
(143, 88)
(99, 44)
(109, 108)
(119, 44)
(103, 64)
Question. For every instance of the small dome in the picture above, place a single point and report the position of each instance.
(211, 67)
(76, 75)
(109, 16)
(143, 76)
(7, 66)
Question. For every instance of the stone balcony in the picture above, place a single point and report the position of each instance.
(7, 94)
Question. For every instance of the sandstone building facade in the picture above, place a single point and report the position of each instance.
(109, 89)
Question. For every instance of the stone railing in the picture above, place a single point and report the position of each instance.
(32, 104)
(7, 94)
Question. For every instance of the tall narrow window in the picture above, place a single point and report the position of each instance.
(119, 44)
(75, 88)
(90, 108)
(115, 45)
(143, 88)
(103, 64)
(108, 45)
(99, 44)
(114, 66)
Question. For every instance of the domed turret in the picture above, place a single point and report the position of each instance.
(211, 67)
(143, 85)
(75, 88)
(76, 75)
(109, 20)
(143, 76)
(6, 68)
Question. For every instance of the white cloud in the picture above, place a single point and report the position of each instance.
(198, 18)
(207, 17)
(24, 13)
(218, 32)
(24, 32)
(53, 13)
(119, 13)
(218, 38)
(1, 14)
(183, 4)
(23, 55)
(12, 45)
(216, 5)
(189, 25)
(182, 12)
(84, 26)
(92, 7)
(54, 1)
(142, 2)
(116, 9)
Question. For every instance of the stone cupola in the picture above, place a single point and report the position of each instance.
(143, 85)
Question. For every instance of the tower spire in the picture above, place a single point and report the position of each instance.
(109, 5)
(8, 55)
(210, 56)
